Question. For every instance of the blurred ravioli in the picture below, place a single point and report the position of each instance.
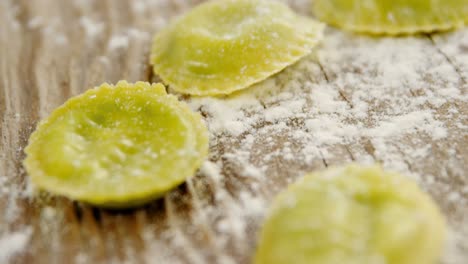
(223, 46)
(393, 16)
(117, 146)
(352, 215)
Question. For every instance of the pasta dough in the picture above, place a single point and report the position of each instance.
(352, 215)
(117, 146)
(223, 46)
(393, 16)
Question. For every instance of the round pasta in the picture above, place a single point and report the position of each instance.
(352, 215)
(393, 16)
(223, 46)
(117, 146)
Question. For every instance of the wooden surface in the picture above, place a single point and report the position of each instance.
(51, 50)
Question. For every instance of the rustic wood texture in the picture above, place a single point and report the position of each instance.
(51, 50)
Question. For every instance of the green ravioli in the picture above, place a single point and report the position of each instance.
(117, 146)
(393, 16)
(227, 45)
(352, 215)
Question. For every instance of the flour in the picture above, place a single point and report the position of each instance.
(14, 243)
(92, 28)
(35, 22)
(118, 42)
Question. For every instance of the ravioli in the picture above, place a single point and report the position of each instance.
(223, 46)
(352, 215)
(393, 16)
(117, 146)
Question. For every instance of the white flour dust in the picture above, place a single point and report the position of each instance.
(13, 243)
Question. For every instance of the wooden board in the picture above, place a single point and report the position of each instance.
(398, 101)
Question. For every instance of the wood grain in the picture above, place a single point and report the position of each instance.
(52, 50)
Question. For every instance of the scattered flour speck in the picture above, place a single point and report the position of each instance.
(14, 243)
